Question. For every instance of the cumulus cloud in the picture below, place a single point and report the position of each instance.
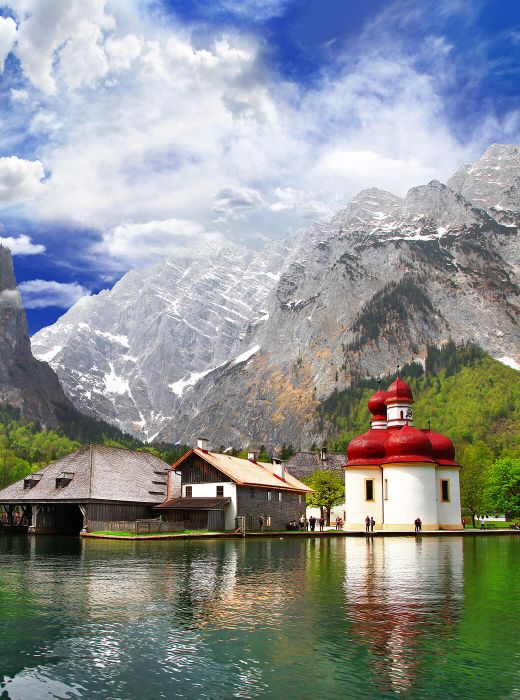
(143, 123)
(21, 245)
(38, 294)
(139, 243)
(20, 179)
(68, 30)
(7, 38)
(236, 202)
(10, 297)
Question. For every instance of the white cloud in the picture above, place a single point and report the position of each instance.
(143, 242)
(237, 202)
(18, 95)
(143, 123)
(10, 297)
(70, 30)
(20, 179)
(21, 245)
(38, 294)
(7, 38)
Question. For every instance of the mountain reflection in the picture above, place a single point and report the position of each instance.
(401, 593)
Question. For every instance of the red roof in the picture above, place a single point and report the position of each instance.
(398, 392)
(408, 445)
(368, 448)
(443, 450)
(376, 404)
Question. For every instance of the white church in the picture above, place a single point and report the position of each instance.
(396, 473)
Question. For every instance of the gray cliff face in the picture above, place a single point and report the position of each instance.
(129, 354)
(250, 357)
(26, 384)
(374, 286)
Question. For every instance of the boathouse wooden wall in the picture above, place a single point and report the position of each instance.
(119, 511)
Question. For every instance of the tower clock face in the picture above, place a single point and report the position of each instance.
(409, 413)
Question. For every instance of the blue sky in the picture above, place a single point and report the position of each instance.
(134, 130)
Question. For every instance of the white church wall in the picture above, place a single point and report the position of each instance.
(356, 506)
(448, 512)
(412, 491)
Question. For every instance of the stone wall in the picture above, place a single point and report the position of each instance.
(253, 502)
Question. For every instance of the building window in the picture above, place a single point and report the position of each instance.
(220, 491)
(268, 521)
(279, 495)
(445, 490)
(369, 489)
(386, 489)
(189, 491)
(299, 498)
(269, 495)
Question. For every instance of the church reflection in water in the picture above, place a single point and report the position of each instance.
(403, 596)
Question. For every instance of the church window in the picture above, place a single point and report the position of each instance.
(386, 489)
(402, 415)
(445, 490)
(369, 489)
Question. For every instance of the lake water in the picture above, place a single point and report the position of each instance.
(271, 618)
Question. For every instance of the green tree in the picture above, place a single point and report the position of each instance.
(329, 491)
(503, 487)
(475, 460)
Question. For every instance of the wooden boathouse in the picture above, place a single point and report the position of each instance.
(96, 488)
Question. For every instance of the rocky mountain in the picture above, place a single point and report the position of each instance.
(25, 383)
(128, 355)
(378, 283)
(372, 287)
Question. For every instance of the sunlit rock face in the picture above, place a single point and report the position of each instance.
(243, 346)
(27, 385)
(129, 355)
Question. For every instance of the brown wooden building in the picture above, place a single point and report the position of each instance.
(95, 488)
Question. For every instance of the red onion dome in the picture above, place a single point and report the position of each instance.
(398, 392)
(368, 448)
(408, 445)
(443, 450)
(376, 404)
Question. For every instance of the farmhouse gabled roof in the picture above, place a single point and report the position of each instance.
(99, 473)
(246, 473)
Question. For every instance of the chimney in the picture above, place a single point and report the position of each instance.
(202, 444)
(279, 467)
(252, 455)
(323, 453)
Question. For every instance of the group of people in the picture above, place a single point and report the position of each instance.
(310, 524)
(369, 524)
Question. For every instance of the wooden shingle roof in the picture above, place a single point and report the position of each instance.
(99, 473)
(247, 473)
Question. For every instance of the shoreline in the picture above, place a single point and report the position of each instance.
(289, 533)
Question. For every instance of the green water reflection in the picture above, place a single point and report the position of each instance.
(279, 618)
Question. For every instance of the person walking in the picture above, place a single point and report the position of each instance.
(338, 523)
(302, 522)
(261, 521)
(367, 523)
(372, 523)
(322, 523)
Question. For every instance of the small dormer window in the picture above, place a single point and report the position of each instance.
(32, 480)
(64, 479)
